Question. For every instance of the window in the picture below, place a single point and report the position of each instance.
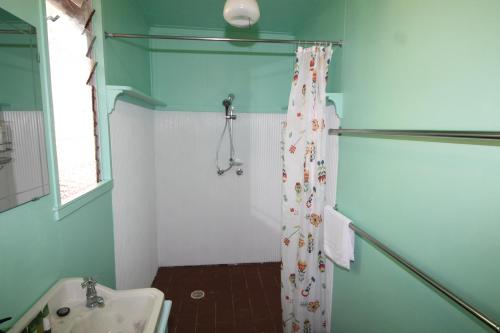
(74, 100)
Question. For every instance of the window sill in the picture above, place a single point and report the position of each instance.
(68, 208)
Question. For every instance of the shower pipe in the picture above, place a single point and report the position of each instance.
(225, 39)
(436, 285)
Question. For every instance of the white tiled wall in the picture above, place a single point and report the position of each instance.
(204, 218)
(136, 256)
(171, 208)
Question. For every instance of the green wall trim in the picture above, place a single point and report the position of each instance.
(59, 209)
(220, 108)
(75, 204)
(99, 54)
(131, 95)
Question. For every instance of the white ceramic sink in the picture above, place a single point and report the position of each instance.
(124, 311)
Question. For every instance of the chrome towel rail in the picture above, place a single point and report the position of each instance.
(436, 285)
(485, 135)
(224, 39)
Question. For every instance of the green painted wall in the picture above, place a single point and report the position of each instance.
(197, 76)
(419, 65)
(20, 78)
(127, 60)
(327, 23)
(406, 64)
(279, 16)
(35, 250)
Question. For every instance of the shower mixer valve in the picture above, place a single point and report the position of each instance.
(228, 105)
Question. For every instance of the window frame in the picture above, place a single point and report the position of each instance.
(106, 182)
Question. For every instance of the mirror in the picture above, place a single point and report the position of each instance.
(23, 159)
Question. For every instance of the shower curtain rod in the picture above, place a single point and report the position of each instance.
(484, 135)
(224, 39)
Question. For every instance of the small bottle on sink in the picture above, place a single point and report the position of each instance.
(47, 328)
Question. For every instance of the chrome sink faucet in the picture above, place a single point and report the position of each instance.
(92, 299)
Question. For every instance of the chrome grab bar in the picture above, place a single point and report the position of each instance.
(436, 285)
(485, 135)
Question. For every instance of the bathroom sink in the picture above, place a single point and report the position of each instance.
(124, 311)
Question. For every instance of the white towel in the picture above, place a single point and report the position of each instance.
(339, 238)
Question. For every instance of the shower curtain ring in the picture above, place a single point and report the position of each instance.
(300, 44)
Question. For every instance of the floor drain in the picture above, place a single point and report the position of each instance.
(197, 294)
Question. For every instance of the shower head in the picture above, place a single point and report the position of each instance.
(228, 101)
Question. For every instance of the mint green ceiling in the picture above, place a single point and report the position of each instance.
(284, 16)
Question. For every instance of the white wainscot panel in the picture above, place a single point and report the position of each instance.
(132, 142)
(204, 218)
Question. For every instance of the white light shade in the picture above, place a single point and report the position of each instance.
(241, 13)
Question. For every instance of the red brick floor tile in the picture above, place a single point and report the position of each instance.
(224, 327)
(259, 307)
(245, 327)
(205, 328)
(242, 298)
(264, 326)
(185, 324)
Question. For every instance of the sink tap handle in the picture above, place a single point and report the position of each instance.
(88, 282)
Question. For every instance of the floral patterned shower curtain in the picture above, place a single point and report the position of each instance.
(304, 178)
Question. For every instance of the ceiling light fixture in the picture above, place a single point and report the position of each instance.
(241, 13)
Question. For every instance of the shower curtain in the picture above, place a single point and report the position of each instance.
(304, 178)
